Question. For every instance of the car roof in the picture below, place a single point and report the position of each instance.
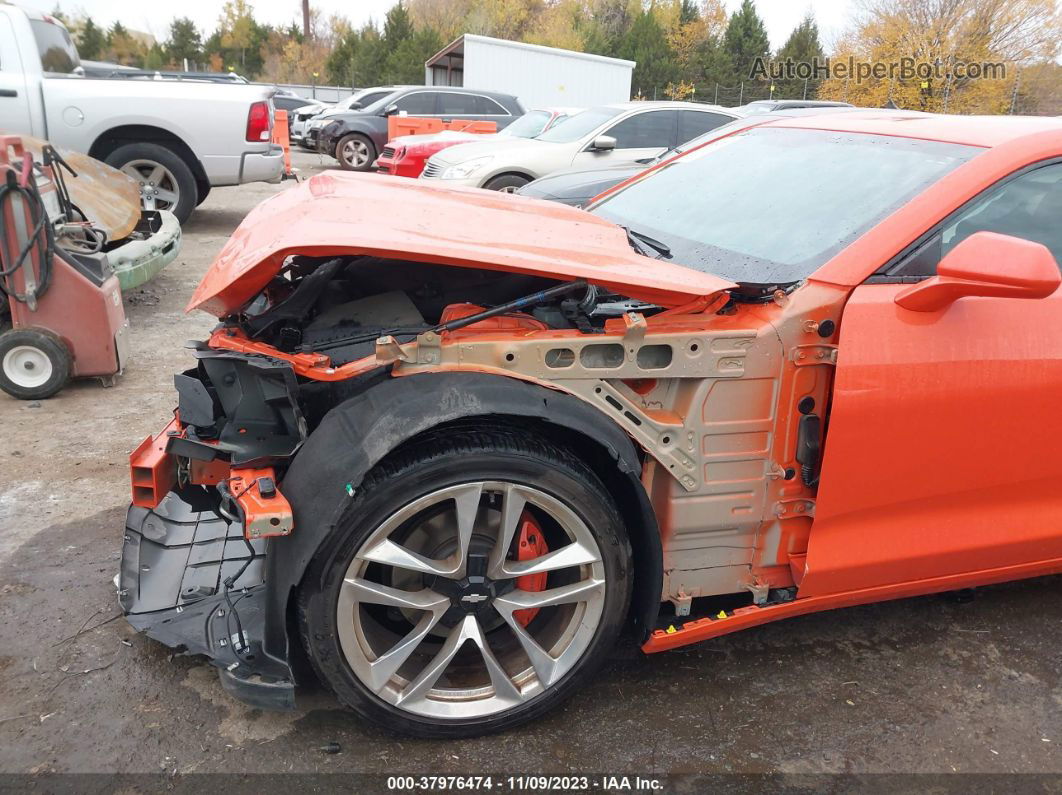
(805, 103)
(986, 131)
(635, 105)
(459, 90)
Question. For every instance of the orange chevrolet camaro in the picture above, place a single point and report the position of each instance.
(445, 443)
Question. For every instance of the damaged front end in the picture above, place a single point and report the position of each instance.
(346, 303)
(205, 501)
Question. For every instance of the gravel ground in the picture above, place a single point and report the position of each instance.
(929, 685)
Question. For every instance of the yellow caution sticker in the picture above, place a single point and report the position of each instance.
(722, 614)
(671, 630)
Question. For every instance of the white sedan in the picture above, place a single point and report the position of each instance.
(603, 136)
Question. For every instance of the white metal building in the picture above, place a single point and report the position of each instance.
(539, 76)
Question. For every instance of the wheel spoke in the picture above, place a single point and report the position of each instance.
(147, 201)
(434, 669)
(565, 594)
(166, 196)
(389, 553)
(377, 594)
(466, 503)
(386, 665)
(132, 171)
(503, 685)
(513, 504)
(574, 554)
(546, 667)
(156, 175)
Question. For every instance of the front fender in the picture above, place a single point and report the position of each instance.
(358, 433)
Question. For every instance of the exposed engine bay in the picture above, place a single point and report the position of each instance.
(342, 305)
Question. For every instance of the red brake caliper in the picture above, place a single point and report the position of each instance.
(530, 545)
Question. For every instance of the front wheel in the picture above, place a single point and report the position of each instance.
(355, 152)
(507, 183)
(475, 583)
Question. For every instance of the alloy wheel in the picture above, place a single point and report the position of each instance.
(158, 186)
(471, 600)
(355, 153)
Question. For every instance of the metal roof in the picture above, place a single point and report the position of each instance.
(456, 47)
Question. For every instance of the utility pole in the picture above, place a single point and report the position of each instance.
(1014, 95)
(306, 18)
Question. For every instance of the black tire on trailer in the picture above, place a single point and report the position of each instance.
(34, 363)
(165, 181)
(360, 617)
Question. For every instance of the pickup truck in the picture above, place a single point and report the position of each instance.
(177, 139)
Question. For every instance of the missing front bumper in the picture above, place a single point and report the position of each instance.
(171, 585)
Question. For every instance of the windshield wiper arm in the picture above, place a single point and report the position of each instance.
(640, 241)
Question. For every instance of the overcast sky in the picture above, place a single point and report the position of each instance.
(154, 17)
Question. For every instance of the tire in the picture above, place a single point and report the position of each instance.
(451, 613)
(202, 191)
(174, 189)
(34, 364)
(355, 152)
(507, 183)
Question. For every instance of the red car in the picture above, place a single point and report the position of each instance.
(406, 155)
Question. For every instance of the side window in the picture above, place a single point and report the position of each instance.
(457, 104)
(1029, 206)
(417, 103)
(485, 106)
(694, 122)
(653, 129)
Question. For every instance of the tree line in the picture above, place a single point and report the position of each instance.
(684, 49)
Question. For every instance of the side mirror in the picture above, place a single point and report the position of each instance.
(390, 110)
(356, 106)
(986, 264)
(603, 143)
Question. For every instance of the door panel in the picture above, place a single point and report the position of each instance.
(14, 91)
(941, 454)
(639, 137)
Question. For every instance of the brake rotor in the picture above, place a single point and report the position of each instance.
(530, 545)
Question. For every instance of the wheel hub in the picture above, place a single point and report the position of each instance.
(27, 366)
(471, 595)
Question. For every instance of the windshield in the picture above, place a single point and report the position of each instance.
(770, 205)
(575, 127)
(529, 125)
(57, 51)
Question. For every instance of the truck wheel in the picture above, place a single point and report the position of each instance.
(165, 180)
(355, 152)
(507, 183)
(34, 364)
(474, 583)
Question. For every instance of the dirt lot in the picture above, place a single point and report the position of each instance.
(925, 685)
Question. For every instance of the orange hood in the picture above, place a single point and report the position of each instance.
(338, 213)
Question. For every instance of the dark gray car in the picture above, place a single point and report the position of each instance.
(355, 138)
